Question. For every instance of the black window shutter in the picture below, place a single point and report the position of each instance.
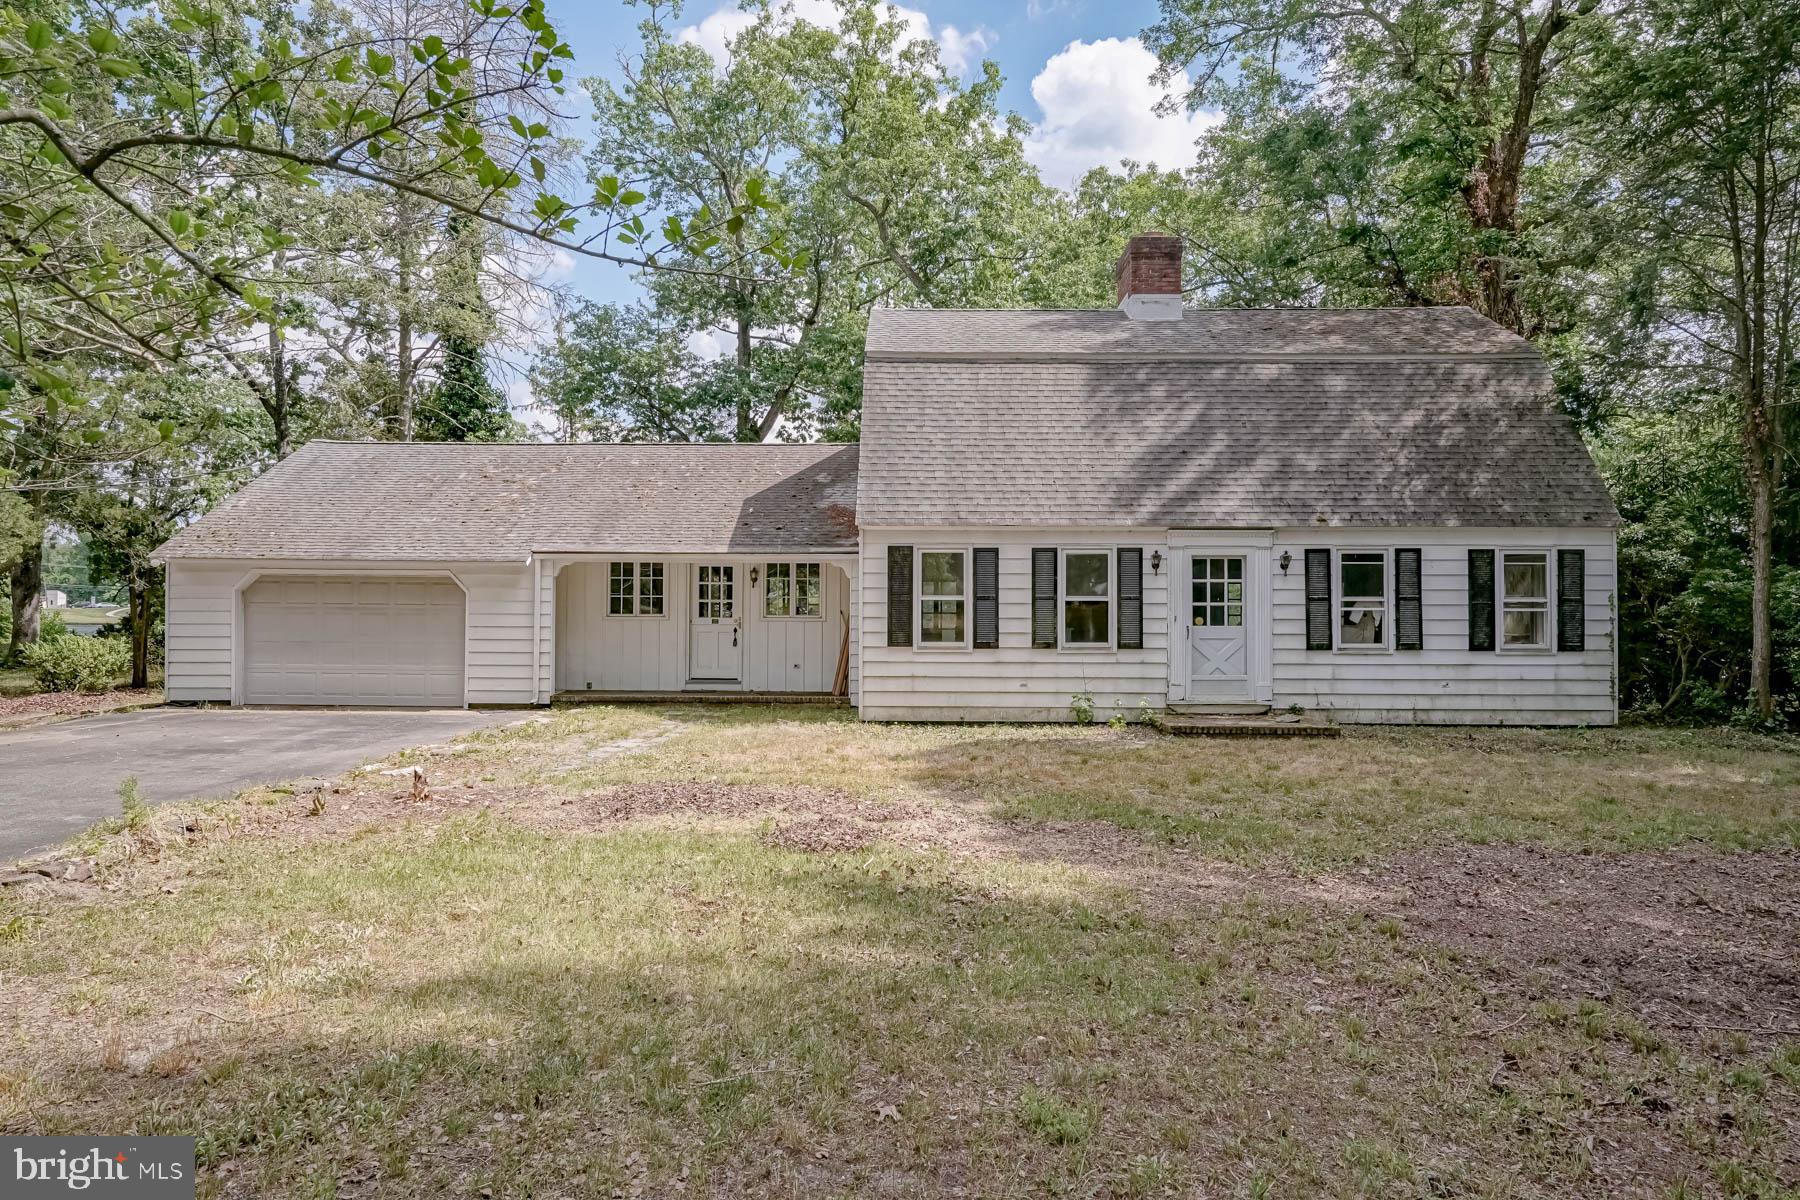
(1043, 597)
(1481, 599)
(987, 597)
(900, 589)
(1409, 600)
(1571, 599)
(1131, 598)
(1318, 599)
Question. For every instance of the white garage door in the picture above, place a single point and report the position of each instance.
(318, 640)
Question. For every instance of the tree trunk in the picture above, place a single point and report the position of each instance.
(746, 416)
(140, 631)
(27, 598)
(278, 393)
(403, 325)
(1762, 565)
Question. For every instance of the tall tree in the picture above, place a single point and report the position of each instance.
(140, 147)
(1394, 139)
(1694, 118)
(897, 183)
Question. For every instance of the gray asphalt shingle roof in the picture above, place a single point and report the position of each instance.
(1223, 419)
(446, 502)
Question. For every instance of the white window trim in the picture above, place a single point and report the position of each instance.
(637, 612)
(918, 599)
(1549, 556)
(1386, 646)
(793, 566)
(1111, 554)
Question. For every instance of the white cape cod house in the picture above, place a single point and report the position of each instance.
(1379, 515)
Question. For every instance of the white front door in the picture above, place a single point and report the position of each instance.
(715, 643)
(1218, 651)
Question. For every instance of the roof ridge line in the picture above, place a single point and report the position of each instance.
(1151, 356)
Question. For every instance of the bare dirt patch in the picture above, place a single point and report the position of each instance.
(1686, 938)
(37, 707)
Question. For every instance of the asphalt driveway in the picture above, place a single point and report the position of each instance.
(55, 780)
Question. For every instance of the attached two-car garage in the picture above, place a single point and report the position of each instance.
(316, 639)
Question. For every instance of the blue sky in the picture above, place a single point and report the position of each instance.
(1073, 68)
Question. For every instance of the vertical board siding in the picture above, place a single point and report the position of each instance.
(1445, 682)
(1013, 681)
(599, 652)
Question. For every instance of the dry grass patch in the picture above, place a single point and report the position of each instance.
(719, 953)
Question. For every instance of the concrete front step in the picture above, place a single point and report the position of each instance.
(1219, 709)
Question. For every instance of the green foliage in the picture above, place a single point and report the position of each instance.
(1052, 1119)
(78, 664)
(464, 405)
(1684, 575)
(134, 810)
(1081, 707)
(895, 182)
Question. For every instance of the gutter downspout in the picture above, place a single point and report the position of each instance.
(537, 629)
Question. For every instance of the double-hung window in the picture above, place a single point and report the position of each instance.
(791, 590)
(634, 589)
(1525, 600)
(1362, 600)
(943, 598)
(1086, 598)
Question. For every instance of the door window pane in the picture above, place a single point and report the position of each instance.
(1218, 592)
(713, 593)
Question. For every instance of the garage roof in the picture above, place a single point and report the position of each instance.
(466, 502)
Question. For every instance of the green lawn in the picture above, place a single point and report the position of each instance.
(778, 953)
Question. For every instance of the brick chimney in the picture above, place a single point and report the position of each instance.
(1148, 276)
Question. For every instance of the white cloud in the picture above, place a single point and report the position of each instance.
(957, 49)
(1099, 105)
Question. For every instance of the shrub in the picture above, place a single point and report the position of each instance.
(78, 664)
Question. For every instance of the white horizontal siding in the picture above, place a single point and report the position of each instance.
(1446, 682)
(1013, 682)
(199, 614)
(500, 631)
(203, 629)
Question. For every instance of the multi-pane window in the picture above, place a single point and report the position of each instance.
(1087, 598)
(791, 590)
(1363, 598)
(1218, 595)
(943, 598)
(713, 593)
(778, 590)
(621, 590)
(634, 589)
(1525, 600)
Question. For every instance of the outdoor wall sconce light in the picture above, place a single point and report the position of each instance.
(1287, 560)
(1156, 562)
(752, 576)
